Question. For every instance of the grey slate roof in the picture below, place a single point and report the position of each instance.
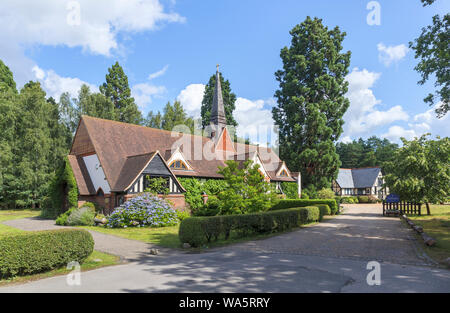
(357, 177)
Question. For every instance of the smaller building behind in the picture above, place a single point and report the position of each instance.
(360, 182)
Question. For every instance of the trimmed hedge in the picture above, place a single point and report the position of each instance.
(297, 203)
(198, 231)
(324, 210)
(42, 251)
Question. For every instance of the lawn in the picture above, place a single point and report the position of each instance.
(160, 236)
(6, 215)
(96, 260)
(437, 225)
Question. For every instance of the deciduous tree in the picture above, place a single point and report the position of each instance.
(420, 170)
(433, 49)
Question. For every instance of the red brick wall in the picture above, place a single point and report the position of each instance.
(107, 201)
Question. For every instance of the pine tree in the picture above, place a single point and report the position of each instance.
(94, 104)
(311, 101)
(229, 100)
(173, 116)
(154, 120)
(116, 89)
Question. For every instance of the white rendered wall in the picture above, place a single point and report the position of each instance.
(96, 173)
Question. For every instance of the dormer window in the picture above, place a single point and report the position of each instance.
(283, 173)
(178, 165)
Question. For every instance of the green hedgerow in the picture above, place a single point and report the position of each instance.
(198, 231)
(41, 251)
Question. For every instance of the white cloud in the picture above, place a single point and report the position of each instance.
(144, 93)
(158, 73)
(422, 123)
(391, 54)
(191, 99)
(395, 132)
(363, 116)
(94, 27)
(254, 118)
(55, 85)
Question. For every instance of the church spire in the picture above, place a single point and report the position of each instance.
(218, 119)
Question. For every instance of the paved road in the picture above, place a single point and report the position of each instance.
(362, 233)
(329, 257)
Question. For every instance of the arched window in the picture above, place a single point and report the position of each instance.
(178, 165)
(284, 173)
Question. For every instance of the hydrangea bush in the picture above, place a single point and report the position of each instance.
(143, 210)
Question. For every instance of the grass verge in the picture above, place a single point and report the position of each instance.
(96, 260)
(6, 215)
(437, 225)
(160, 236)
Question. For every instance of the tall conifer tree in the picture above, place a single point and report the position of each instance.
(311, 101)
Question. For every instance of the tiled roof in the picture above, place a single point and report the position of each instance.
(123, 148)
(84, 183)
(357, 177)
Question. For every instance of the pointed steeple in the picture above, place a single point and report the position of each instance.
(218, 119)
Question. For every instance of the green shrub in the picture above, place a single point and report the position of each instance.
(311, 191)
(290, 189)
(182, 215)
(198, 231)
(62, 219)
(246, 190)
(325, 193)
(193, 194)
(288, 203)
(41, 251)
(363, 199)
(83, 216)
(211, 208)
(324, 210)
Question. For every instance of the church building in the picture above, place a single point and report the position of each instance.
(113, 161)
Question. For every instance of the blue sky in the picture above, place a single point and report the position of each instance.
(180, 42)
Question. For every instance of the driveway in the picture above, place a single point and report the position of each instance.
(361, 233)
(328, 257)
